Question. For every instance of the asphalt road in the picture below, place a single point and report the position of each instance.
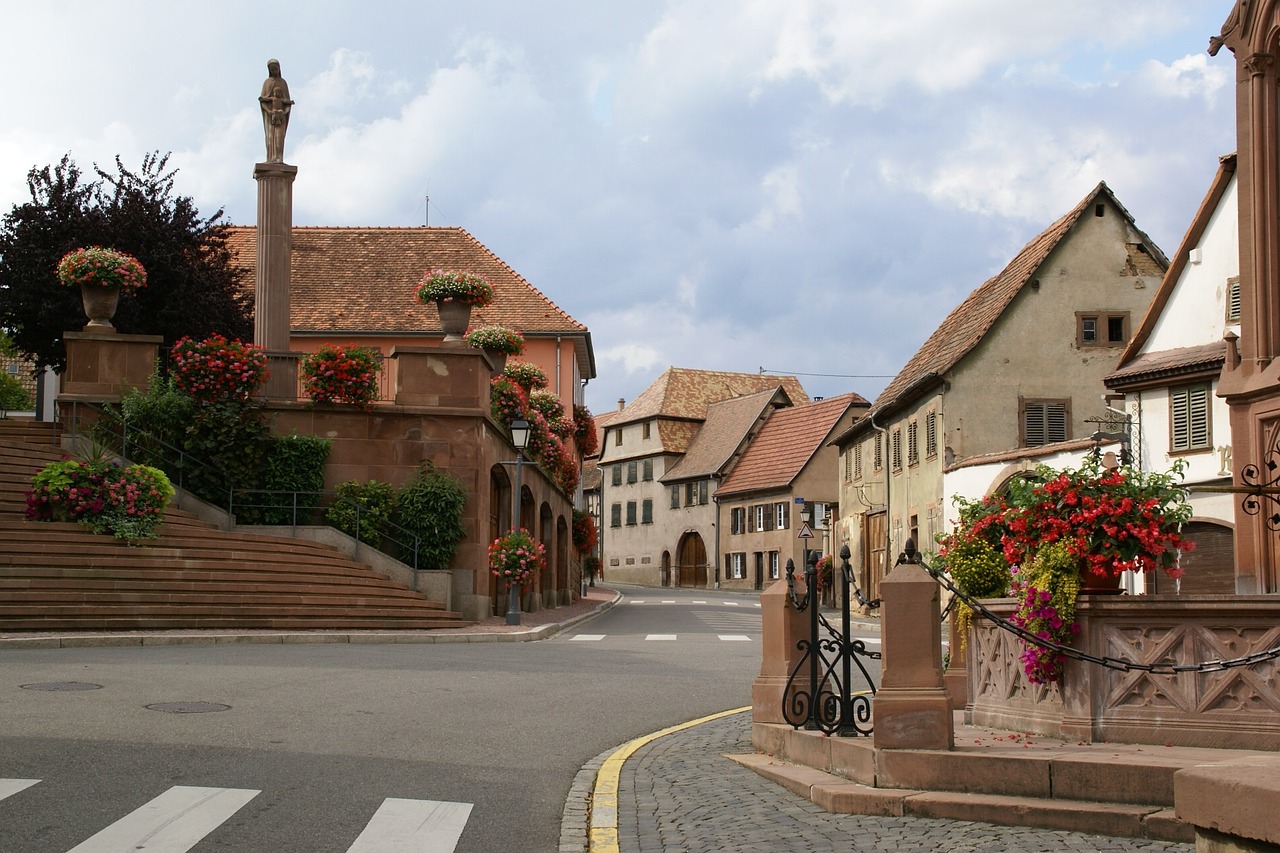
(327, 735)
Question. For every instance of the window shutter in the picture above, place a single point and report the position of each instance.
(1198, 404)
(1056, 422)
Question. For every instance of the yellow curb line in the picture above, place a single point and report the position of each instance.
(604, 796)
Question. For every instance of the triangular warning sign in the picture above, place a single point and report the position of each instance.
(805, 531)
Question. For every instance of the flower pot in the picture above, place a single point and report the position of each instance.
(1095, 584)
(498, 358)
(99, 306)
(454, 317)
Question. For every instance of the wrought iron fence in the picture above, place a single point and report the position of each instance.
(820, 691)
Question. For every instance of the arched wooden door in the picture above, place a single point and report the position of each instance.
(693, 561)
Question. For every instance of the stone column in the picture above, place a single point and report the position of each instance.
(911, 710)
(271, 289)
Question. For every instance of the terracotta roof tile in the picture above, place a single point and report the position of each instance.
(683, 393)
(1169, 363)
(726, 426)
(965, 326)
(785, 444)
(360, 280)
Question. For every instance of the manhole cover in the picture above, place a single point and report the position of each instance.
(188, 707)
(62, 685)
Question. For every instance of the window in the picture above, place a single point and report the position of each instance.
(773, 566)
(617, 437)
(1045, 421)
(631, 513)
(857, 462)
(848, 464)
(897, 450)
(878, 456)
(644, 430)
(615, 515)
(737, 565)
(931, 434)
(690, 493)
(702, 492)
(738, 520)
(648, 470)
(646, 511)
(631, 472)
(780, 516)
(1102, 329)
(675, 497)
(1189, 418)
(759, 517)
(617, 475)
(1233, 299)
(913, 443)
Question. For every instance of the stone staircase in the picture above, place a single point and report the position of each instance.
(1124, 790)
(62, 577)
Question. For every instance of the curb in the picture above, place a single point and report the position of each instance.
(542, 632)
(598, 797)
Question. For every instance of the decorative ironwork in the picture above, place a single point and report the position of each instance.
(1252, 476)
(819, 693)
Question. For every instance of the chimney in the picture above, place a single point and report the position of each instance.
(622, 404)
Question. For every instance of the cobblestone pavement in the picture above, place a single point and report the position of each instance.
(679, 795)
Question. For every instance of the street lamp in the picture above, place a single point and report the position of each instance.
(520, 438)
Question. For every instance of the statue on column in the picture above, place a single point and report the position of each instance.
(275, 105)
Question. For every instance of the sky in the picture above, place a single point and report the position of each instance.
(783, 186)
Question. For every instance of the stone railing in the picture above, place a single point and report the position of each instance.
(1236, 708)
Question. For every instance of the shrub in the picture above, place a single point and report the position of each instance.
(430, 506)
(525, 374)
(293, 483)
(516, 557)
(584, 532)
(584, 431)
(550, 407)
(13, 397)
(363, 511)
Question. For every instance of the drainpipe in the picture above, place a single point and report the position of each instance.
(888, 482)
(558, 341)
(715, 478)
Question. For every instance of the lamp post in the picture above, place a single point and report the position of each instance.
(520, 438)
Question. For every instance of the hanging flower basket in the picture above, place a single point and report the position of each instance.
(342, 374)
(516, 557)
(217, 370)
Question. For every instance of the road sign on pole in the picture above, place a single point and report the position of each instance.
(805, 531)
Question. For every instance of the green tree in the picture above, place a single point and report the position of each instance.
(192, 287)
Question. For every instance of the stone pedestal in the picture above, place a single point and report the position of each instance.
(103, 366)
(956, 677)
(453, 377)
(911, 709)
(782, 626)
(275, 248)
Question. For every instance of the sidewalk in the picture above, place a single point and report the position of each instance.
(678, 793)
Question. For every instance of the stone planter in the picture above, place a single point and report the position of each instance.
(454, 317)
(99, 306)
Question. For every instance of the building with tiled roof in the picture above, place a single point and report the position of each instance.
(661, 458)
(1166, 381)
(358, 285)
(1019, 363)
(785, 477)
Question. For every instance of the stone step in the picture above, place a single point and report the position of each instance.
(107, 591)
(345, 620)
(839, 795)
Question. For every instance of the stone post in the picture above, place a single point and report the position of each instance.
(271, 288)
(956, 677)
(911, 710)
(782, 626)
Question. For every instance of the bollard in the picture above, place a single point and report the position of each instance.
(782, 627)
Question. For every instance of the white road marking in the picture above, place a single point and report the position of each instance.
(638, 601)
(413, 826)
(173, 822)
(660, 636)
(9, 787)
(586, 637)
(698, 601)
(669, 601)
(735, 638)
(729, 603)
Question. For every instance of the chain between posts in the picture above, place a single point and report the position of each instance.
(1100, 660)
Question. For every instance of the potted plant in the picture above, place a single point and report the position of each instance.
(127, 502)
(342, 374)
(217, 370)
(498, 341)
(102, 275)
(525, 374)
(455, 293)
(516, 557)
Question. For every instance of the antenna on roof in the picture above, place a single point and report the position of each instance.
(426, 211)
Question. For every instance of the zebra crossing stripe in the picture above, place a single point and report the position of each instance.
(413, 826)
(173, 822)
(9, 787)
(660, 636)
(586, 637)
(735, 638)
